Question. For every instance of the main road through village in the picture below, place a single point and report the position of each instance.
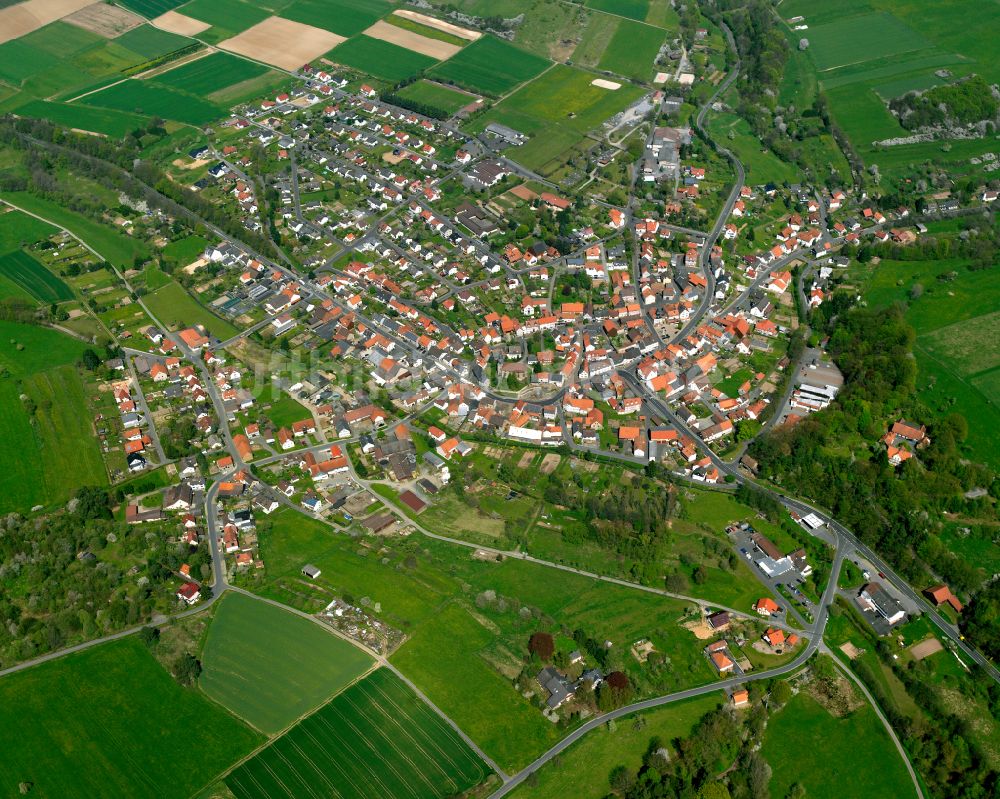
(845, 543)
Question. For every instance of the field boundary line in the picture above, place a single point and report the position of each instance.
(284, 730)
(93, 91)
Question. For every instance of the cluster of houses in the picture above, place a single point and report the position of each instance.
(135, 426)
(902, 441)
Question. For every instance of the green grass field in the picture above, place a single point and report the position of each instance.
(490, 65)
(375, 739)
(595, 39)
(151, 42)
(436, 95)
(98, 120)
(176, 308)
(462, 661)
(19, 230)
(867, 51)
(633, 9)
(33, 277)
(151, 8)
(108, 722)
(632, 50)
(582, 770)
(46, 455)
(762, 166)
(861, 38)
(230, 16)
(556, 110)
(270, 666)
(60, 61)
(441, 658)
(116, 247)
(380, 59)
(149, 99)
(344, 17)
(184, 251)
(210, 74)
(805, 744)
(285, 410)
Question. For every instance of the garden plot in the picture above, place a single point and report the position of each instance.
(282, 43)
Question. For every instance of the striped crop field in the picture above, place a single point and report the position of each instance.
(375, 740)
(34, 278)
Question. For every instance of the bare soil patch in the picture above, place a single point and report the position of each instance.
(282, 43)
(837, 696)
(104, 20)
(700, 629)
(439, 24)
(601, 83)
(926, 648)
(184, 163)
(433, 48)
(526, 459)
(549, 464)
(172, 22)
(16, 21)
(851, 650)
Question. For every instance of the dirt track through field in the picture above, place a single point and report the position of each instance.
(172, 22)
(412, 41)
(16, 21)
(439, 24)
(282, 43)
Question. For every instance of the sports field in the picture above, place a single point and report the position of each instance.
(380, 59)
(110, 722)
(269, 666)
(436, 96)
(150, 99)
(375, 740)
(210, 74)
(806, 744)
(343, 17)
(490, 65)
(173, 306)
(557, 109)
(33, 277)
